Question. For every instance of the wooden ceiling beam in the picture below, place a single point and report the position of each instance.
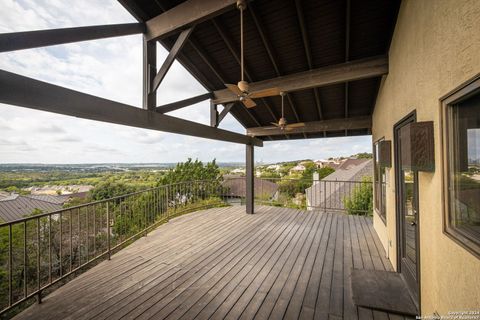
(41, 38)
(34, 94)
(316, 127)
(339, 73)
(172, 55)
(347, 51)
(184, 15)
(183, 103)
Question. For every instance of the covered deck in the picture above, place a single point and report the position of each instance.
(221, 263)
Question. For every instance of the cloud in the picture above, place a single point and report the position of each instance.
(68, 139)
(101, 149)
(50, 128)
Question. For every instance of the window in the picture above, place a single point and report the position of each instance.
(380, 179)
(462, 113)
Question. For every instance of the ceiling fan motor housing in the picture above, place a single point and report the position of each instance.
(243, 86)
(241, 4)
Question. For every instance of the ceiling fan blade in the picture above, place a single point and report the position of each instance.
(234, 88)
(249, 103)
(296, 125)
(265, 93)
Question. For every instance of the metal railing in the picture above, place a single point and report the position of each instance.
(42, 250)
(353, 197)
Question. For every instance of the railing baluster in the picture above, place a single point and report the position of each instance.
(94, 230)
(50, 249)
(71, 240)
(10, 268)
(87, 212)
(25, 268)
(60, 262)
(108, 232)
(39, 293)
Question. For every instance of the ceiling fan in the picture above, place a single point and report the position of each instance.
(282, 123)
(241, 90)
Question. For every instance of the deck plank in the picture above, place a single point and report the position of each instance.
(222, 263)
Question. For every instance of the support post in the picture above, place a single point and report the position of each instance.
(149, 72)
(213, 114)
(250, 174)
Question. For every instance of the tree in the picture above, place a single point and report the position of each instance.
(360, 202)
(110, 189)
(191, 171)
(363, 155)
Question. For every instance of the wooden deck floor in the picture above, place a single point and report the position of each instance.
(224, 264)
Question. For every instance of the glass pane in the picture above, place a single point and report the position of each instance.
(465, 167)
(410, 219)
(384, 191)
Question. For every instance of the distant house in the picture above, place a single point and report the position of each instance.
(298, 169)
(275, 167)
(54, 190)
(17, 207)
(238, 171)
(327, 163)
(236, 186)
(4, 195)
(14, 206)
(330, 191)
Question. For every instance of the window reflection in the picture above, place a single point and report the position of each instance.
(465, 167)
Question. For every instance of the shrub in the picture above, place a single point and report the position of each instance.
(360, 201)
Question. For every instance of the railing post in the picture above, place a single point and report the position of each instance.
(324, 196)
(146, 207)
(108, 232)
(249, 172)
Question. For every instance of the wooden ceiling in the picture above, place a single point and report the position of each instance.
(284, 38)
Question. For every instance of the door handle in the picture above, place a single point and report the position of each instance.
(413, 223)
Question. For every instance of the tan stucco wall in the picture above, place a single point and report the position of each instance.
(435, 48)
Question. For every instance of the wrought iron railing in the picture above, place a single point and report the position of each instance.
(353, 197)
(43, 250)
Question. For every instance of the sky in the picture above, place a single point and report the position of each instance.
(112, 69)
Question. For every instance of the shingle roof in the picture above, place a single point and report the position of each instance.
(18, 207)
(237, 186)
(61, 199)
(333, 192)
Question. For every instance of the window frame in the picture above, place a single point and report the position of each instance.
(459, 94)
(383, 195)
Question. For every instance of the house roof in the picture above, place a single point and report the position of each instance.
(237, 186)
(330, 191)
(284, 38)
(17, 207)
(59, 199)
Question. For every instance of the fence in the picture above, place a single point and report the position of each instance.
(42, 250)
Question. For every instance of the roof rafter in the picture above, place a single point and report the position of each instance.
(271, 55)
(226, 39)
(347, 51)
(308, 52)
